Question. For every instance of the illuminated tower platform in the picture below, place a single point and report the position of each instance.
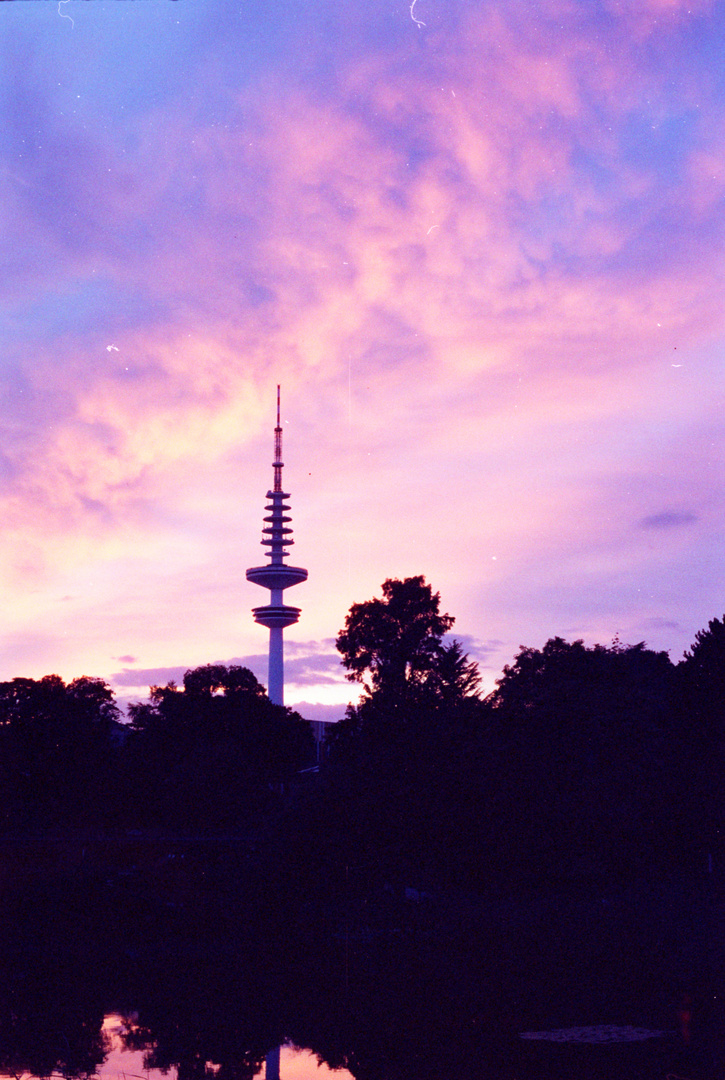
(276, 575)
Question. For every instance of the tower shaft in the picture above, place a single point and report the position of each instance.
(275, 680)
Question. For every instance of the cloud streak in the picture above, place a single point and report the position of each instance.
(668, 519)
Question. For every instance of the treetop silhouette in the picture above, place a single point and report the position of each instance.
(394, 645)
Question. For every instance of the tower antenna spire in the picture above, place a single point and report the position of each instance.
(276, 575)
(278, 463)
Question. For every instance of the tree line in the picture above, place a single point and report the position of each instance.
(584, 762)
(206, 755)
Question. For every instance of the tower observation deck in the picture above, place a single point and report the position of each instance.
(276, 575)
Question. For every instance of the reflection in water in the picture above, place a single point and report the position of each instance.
(199, 978)
(304, 1065)
(122, 1063)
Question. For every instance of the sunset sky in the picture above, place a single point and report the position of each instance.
(479, 243)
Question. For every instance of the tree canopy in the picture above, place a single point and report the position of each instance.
(399, 754)
(206, 752)
(585, 758)
(394, 646)
(703, 680)
(619, 684)
(56, 744)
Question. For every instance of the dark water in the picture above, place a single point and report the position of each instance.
(195, 959)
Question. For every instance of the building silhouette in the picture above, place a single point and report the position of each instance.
(276, 575)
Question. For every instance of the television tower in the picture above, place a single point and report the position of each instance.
(276, 575)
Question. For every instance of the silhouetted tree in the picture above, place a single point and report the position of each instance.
(702, 710)
(57, 742)
(620, 685)
(586, 770)
(208, 751)
(395, 765)
(703, 676)
(454, 677)
(394, 646)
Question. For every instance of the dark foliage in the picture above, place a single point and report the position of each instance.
(586, 763)
(394, 646)
(576, 769)
(702, 715)
(57, 750)
(703, 681)
(585, 773)
(211, 753)
(393, 780)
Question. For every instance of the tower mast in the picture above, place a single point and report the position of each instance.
(276, 575)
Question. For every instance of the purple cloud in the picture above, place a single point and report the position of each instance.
(306, 664)
(668, 519)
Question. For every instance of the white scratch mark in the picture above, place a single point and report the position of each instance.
(66, 16)
(417, 22)
(677, 365)
(110, 348)
(431, 229)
